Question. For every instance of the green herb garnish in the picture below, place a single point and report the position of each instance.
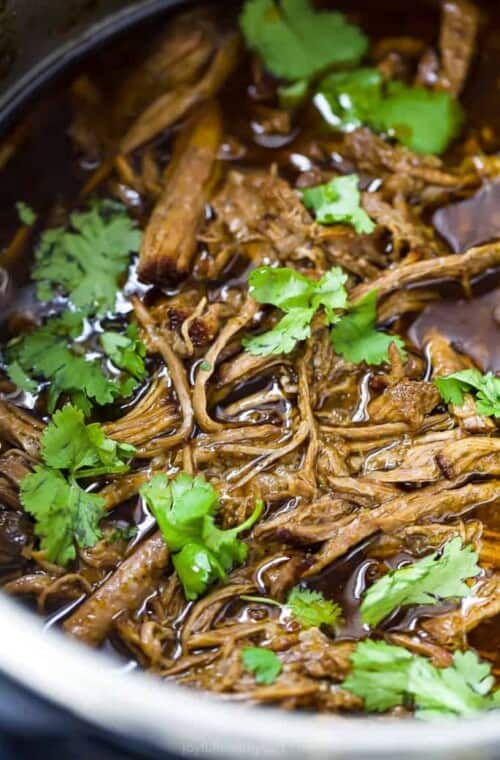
(299, 298)
(297, 42)
(347, 99)
(486, 390)
(126, 352)
(353, 335)
(26, 214)
(52, 353)
(309, 608)
(339, 202)
(125, 533)
(424, 120)
(438, 576)
(263, 663)
(86, 260)
(355, 338)
(185, 509)
(386, 676)
(65, 514)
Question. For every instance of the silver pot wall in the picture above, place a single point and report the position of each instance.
(38, 39)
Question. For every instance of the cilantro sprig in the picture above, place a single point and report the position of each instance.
(339, 201)
(307, 607)
(424, 120)
(299, 298)
(438, 576)
(355, 338)
(126, 351)
(65, 514)
(296, 42)
(353, 334)
(311, 609)
(52, 353)
(263, 663)
(486, 390)
(185, 509)
(386, 676)
(86, 260)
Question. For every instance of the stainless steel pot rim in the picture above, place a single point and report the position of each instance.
(182, 720)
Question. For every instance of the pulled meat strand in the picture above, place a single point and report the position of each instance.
(459, 267)
(173, 105)
(126, 589)
(203, 375)
(179, 380)
(431, 503)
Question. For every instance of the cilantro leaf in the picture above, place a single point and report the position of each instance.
(121, 533)
(424, 582)
(184, 509)
(339, 202)
(424, 120)
(296, 42)
(379, 675)
(346, 99)
(355, 338)
(385, 676)
(300, 298)
(126, 351)
(86, 261)
(311, 609)
(280, 286)
(457, 690)
(48, 354)
(282, 339)
(263, 663)
(486, 387)
(63, 512)
(330, 293)
(21, 378)
(69, 444)
(197, 568)
(224, 544)
(25, 213)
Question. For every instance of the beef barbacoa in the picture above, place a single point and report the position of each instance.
(250, 312)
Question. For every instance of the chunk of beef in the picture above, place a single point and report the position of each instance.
(408, 401)
(124, 591)
(170, 239)
(260, 215)
(20, 428)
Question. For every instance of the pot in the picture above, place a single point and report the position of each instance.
(38, 41)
